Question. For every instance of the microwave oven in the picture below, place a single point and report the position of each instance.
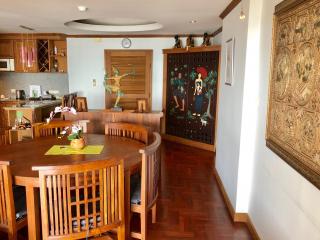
(6, 65)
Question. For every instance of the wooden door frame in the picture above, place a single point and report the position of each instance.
(200, 145)
(132, 52)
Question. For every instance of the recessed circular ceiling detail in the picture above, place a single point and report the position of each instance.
(114, 25)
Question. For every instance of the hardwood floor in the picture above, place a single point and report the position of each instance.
(190, 205)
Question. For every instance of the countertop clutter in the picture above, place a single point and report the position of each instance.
(27, 104)
(34, 111)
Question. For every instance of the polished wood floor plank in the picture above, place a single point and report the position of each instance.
(190, 205)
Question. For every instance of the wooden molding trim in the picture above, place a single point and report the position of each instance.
(50, 36)
(229, 8)
(58, 36)
(236, 217)
(192, 49)
(286, 5)
(224, 194)
(218, 31)
(134, 35)
(188, 142)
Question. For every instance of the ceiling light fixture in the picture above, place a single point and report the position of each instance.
(193, 21)
(82, 8)
(242, 15)
(26, 28)
(118, 25)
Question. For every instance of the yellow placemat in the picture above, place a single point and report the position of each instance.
(67, 150)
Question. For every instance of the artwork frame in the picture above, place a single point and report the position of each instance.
(293, 120)
(35, 91)
(142, 105)
(229, 70)
(178, 132)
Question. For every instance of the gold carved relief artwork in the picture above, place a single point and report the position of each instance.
(293, 130)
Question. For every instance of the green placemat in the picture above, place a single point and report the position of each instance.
(67, 150)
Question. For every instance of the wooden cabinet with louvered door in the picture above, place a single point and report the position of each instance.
(6, 49)
(25, 55)
(135, 86)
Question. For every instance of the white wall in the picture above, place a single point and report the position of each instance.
(281, 203)
(86, 62)
(230, 105)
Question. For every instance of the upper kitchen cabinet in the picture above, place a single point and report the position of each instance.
(6, 49)
(58, 56)
(52, 55)
(25, 55)
(41, 53)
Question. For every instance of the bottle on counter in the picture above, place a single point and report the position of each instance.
(55, 65)
(55, 50)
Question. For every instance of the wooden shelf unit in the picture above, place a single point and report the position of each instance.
(60, 56)
(44, 57)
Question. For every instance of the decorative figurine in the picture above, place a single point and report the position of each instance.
(190, 41)
(114, 87)
(177, 42)
(206, 40)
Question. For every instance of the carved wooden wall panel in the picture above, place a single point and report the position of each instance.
(293, 130)
(191, 112)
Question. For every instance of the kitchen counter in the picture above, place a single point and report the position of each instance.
(34, 111)
(27, 104)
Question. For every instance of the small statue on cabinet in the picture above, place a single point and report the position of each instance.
(177, 42)
(206, 40)
(190, 41)
(112, 85)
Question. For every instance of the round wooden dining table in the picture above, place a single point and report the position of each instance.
(24, 155)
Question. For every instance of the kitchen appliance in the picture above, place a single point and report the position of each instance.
(20, 95)
(6, 65)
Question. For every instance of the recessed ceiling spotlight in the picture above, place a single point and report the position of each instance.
(193, 21)
(82, 8)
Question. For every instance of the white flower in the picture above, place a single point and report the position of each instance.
(65, 109)
(75, 128)
(73, 110)
(57, 110)
(63, 132)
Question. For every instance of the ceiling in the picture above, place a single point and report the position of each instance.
(49, 16)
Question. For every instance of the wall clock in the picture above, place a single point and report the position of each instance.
(126, 43)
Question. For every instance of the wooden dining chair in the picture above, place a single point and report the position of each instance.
(145, 189)
(129, 130)
(4, 136)
(12, 203)
(83, 200)
(51, 128)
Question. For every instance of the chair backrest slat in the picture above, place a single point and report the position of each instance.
(150, 171)
(49, 129)
(74, 198)
(4, 136)
(7, 209)
(129, 130)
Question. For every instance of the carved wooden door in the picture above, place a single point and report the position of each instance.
(191, 95)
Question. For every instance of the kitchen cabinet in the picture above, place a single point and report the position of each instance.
(25, 55)
(36, 53)
(6, 49)
(33, 111)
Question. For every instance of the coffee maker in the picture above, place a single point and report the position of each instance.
(20, 95)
